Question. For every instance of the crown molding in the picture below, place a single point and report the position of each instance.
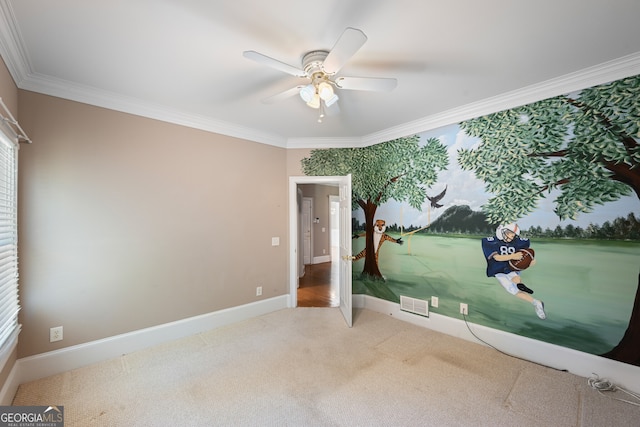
(625, 66)
(92, 96)
(11, 46)
(327, 142)
(603, 73)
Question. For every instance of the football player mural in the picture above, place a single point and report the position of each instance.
(507, 254)
(582, 151)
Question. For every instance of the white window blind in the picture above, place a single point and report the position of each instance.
(9, 302)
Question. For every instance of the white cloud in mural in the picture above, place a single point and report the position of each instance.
(463, 186)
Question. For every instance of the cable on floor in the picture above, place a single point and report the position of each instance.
(507, 354)
(602, 384)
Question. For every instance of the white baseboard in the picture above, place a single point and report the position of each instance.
(576, 362)
(321, 259)
(10, 387)
(54, 362)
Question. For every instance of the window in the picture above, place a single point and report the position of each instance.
(9, 303)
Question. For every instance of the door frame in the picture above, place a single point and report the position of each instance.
(294, 229)
(334, 222)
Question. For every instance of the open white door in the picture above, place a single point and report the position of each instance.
(346, 299)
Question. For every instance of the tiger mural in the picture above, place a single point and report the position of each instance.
(379, 237)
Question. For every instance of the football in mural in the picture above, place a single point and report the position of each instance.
(528, 255)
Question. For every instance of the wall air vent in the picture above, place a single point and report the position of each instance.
(413, 305)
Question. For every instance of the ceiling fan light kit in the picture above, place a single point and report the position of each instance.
(329, 102)
(325, 91)
(307, 93)
(315, 101)
(320, 89)
(320, 66)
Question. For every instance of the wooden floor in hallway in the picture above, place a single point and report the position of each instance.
(319, 286)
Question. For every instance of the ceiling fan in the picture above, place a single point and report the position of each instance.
(321, 68)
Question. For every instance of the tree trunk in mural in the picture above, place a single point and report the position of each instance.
(371, 269)
(628, 350)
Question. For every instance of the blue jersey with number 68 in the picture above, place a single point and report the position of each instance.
(493, 246)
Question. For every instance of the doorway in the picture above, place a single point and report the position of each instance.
(318, 285)
(341, 268)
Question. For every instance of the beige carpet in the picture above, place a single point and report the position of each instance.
(304, 367)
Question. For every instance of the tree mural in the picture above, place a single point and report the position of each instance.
(585, 146)
(402, 170)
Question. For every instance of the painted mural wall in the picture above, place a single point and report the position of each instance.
(451, 212)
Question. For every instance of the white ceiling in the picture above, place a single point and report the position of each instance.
(181, 60)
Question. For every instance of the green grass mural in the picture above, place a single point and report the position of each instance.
(588, 287)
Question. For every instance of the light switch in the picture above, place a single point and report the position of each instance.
(275, 241)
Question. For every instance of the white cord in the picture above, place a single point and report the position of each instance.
(602, 384)
(594, 381)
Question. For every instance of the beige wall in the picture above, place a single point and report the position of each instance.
(294, 157)
(127, 222)
(9, 95)
(8, 90)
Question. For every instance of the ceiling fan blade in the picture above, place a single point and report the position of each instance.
(347, 45)
(283, 95)
(366, 83)
(273, 63)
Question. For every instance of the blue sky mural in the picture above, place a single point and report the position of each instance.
(463, 188)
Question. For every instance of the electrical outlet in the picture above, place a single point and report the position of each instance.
(434, 302)
(259, 291)
(464, 309)
(55, 334)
